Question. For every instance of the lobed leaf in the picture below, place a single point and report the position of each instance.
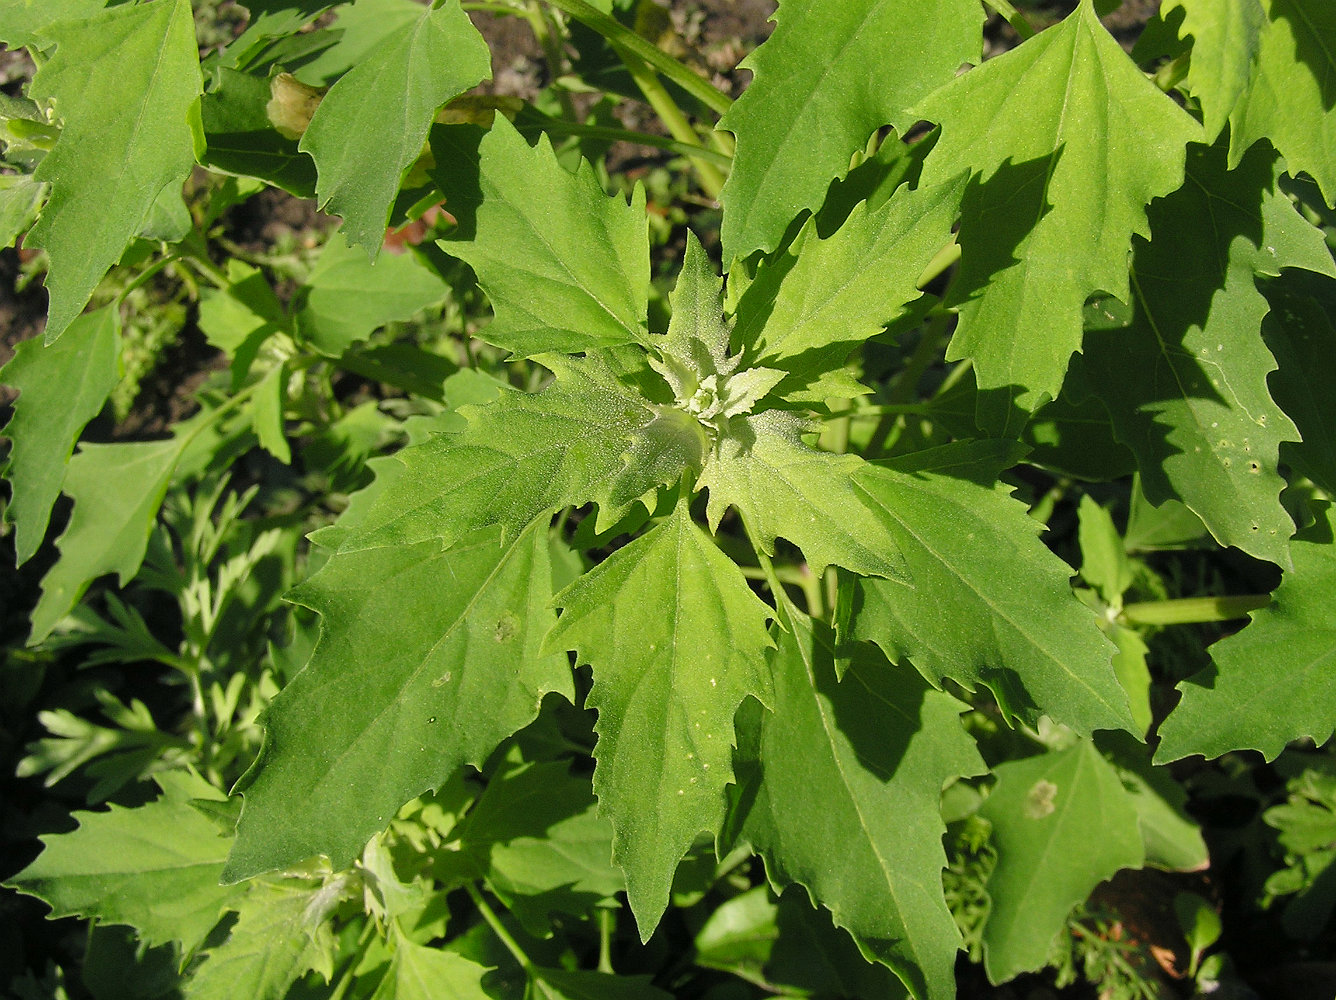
(1043, 810)
(565, 266)
(1276, 680)
(981, 600)
(109, 168)
(154, 867)
(428, 658)
(784, 488)
(1068, 141)
(584, 438)
(676, 639)
(1185, 384)
(1293, 91)
(831, 73)
(857, 766)
(1226, 36)
(372, 124)
(61, 387)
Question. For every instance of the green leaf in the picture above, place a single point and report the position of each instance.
(584, 438)
(1185, 384)
(538, 840)
(1226, 35)
(347, 297)
(1276, 680)
(108, 169)
(824, 83)
(859, 763)
(982, 601)
(238, 319)
(1301, 336)
(1070, 141)
(240, 138)
(676, 640)
(784, 488)
(1044, 810)
(418, 972)
(1172, 839)
(281, 933)
(373, 123)
(154, 867)
(1293, 91)
(26, 22)
(117, 490)
(1104, 563)
(401, 690)
(565, 266)
(810, 306)
(20, 204)
(61, 387)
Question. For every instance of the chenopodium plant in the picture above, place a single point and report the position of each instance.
(1091, 212)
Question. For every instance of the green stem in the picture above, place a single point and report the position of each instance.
(547, 40)
(606, 920)
(499, 929)
(710, 176)
(1013, 17)
(1172, 73)
(1192, 610)
(945, 258)
(880, 410)
(143, 278)
(622, 36)
(558, 127)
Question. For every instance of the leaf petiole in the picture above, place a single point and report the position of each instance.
(1192, 610)
(499, 929)
(1013, 17)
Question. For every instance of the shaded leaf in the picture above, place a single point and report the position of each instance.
(816, 98)
(1276, 680)
(982, 601)
(1185, 384)
(1226, 35)
(859, 763)
(1072, 141)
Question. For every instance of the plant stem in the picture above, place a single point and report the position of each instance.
(710, 177)
(1013, 17)
(499, 929)
(605, 926)
(623, 37)
(558, 127)
(552, 54)
(1192, 610)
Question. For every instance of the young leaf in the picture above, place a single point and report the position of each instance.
(125, 81)
(676, 639)
(428, 658)
(372, 124)
(584, 438)
(807, 311)
(982, 600)
(1226, 35)
(1071, 141)
(1274, 681)
(117, 490)
(1293, 89)
(783, 487)
(347, 297)
(565, 266)
(857, 764)
(154, 867)
(1186, 382)
(1044, 810)
(61, 387)
(281, 933)
(816, 98)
